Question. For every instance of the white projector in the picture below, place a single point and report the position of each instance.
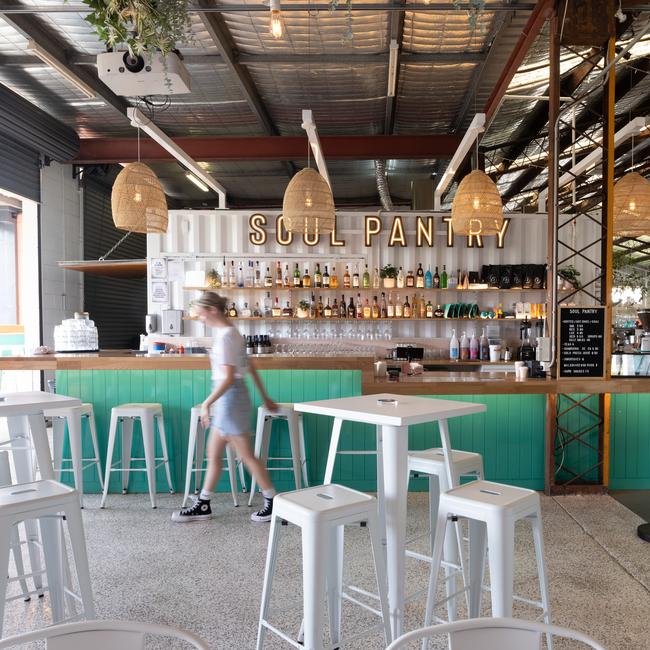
(150, 74)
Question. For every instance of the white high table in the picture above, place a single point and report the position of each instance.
(392, 416)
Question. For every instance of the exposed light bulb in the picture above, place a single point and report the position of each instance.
(632, 206)
(276, 19)
(137, 197)
(308, 202)
(476, 203)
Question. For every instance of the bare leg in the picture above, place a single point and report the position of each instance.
(216, 445)
(242, 445)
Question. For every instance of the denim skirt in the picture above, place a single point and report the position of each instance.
(231, 413)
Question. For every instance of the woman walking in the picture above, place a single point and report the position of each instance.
(227, 410)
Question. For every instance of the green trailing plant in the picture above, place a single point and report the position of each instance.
(348, 35)
(570, 274)
(626, 274)
(143, 26)
(388, 271)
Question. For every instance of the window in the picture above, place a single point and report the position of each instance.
(8, 267)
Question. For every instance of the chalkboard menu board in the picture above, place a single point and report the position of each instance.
(582, 341)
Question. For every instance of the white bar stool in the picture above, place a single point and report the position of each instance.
(195, 451)
(147, 413)
(296, 428)
(431, 463)
(46, 501)
(322, 512)
(74, 416)
(492, 509)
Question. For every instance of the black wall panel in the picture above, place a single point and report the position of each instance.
(19, 169)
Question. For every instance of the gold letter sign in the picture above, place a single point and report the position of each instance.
(373, 227)
(257, 235)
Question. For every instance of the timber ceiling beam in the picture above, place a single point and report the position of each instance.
(285, 148)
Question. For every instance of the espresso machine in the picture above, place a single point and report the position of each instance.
(526, 350)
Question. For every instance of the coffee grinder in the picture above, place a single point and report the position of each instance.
(526, 350)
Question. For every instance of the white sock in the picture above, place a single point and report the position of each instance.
(205, 495)
(269, 494)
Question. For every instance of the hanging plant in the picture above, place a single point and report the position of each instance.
(348, 35)
(625, 275)
(474, 14)
(143, 26)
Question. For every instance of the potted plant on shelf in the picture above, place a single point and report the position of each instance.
(388, 274)
(568, 278)
(302, 310)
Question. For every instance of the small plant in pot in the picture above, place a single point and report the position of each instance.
(302, 310)
(388, 274)
(568, 278)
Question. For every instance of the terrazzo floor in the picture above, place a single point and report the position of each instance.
(207, 577)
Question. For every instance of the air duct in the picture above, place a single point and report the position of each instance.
(382, 185)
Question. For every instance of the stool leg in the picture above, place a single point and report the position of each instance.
(381, 508)
(536, 523)
(78, 544)
(160, 420)
(501, 551)
(313, 585)
(127, 446)
(242, 476)
(112, 432)
(74, 436)
(331, 454)
(191, 448)
(303, 454)
(58, 432)
(5, 545)
(201, 434)
(451, 555)
(93, 437)
(335, 581)
(232, 473)
(294, 442)
(269, 572)
(436, 559)
(259, 434)
(17, 552)
(53, 554)
(149, 456)
(262, 440)
(477, 543)
(382, 580)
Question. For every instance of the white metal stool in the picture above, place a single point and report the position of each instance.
(46, 501)
(322, 512)
(74, 416)
(147, 413)
(492, 509)
(195, 450)
(296, 428)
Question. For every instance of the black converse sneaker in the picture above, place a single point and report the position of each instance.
(199, 510)
(265, 513)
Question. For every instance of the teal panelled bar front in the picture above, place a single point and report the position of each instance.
(510, 435)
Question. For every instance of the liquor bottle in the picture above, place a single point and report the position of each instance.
(355, 277)
(383, 310)
(499, 311)
(286, 280)
(250, 274)
(473, 348)
(419, 277)
(459, 280)
(232, 312)
(359, 306)
(343, 310)
(318, 278)
(246, 311)
(276, 310)
(454, 348)
(312, 307)
(366, 278)
(335, 308)
(390, 308)
(443, 277)
(406, 309)
(400, 278)
(319, 307)
(376, 280)
(278, 274)
(429, 313)
(327, 310)
(258, 275)
(367, 311)
(464, 347)
(428, 278)
(415, 307)
(306, 280)
(436, 279)
(232, 276)
(374, 312)
(287, 312)
(410, 279)
(256, 311)
(267, 305)
(334, 279)
(423, 307)
(296, 276)
(398, 307)
(326, 279)
(268, 279)
(352, 311)
(452, 283)
(346, 278)
(439, 312)
(484, 347)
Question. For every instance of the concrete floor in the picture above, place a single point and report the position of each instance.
(207, 577)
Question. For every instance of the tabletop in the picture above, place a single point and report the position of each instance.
(390, 409)
(26, 403)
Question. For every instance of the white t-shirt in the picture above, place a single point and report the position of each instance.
(228, 349)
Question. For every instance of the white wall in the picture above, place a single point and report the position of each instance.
(61, 239)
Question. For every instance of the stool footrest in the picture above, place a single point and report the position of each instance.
(356, 601)
(281, 634)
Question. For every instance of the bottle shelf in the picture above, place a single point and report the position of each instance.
(371, 320)
(355, 289)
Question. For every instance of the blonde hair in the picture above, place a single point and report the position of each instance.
(210, 299)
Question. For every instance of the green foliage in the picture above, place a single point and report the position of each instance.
(304, 305)
(625, 273)
(388, 271)
(571, 274)
(143, 26)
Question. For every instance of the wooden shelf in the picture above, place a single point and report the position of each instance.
(369, 320)
(354, 289)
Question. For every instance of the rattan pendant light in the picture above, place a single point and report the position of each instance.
(477, 208)
(308, 206)
(138, 201)
(632, 205)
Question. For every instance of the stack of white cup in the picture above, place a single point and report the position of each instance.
(521, 370)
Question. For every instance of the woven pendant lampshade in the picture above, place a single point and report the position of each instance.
(308, 206)
(632, 205)
(138, 201)
(477, 207)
